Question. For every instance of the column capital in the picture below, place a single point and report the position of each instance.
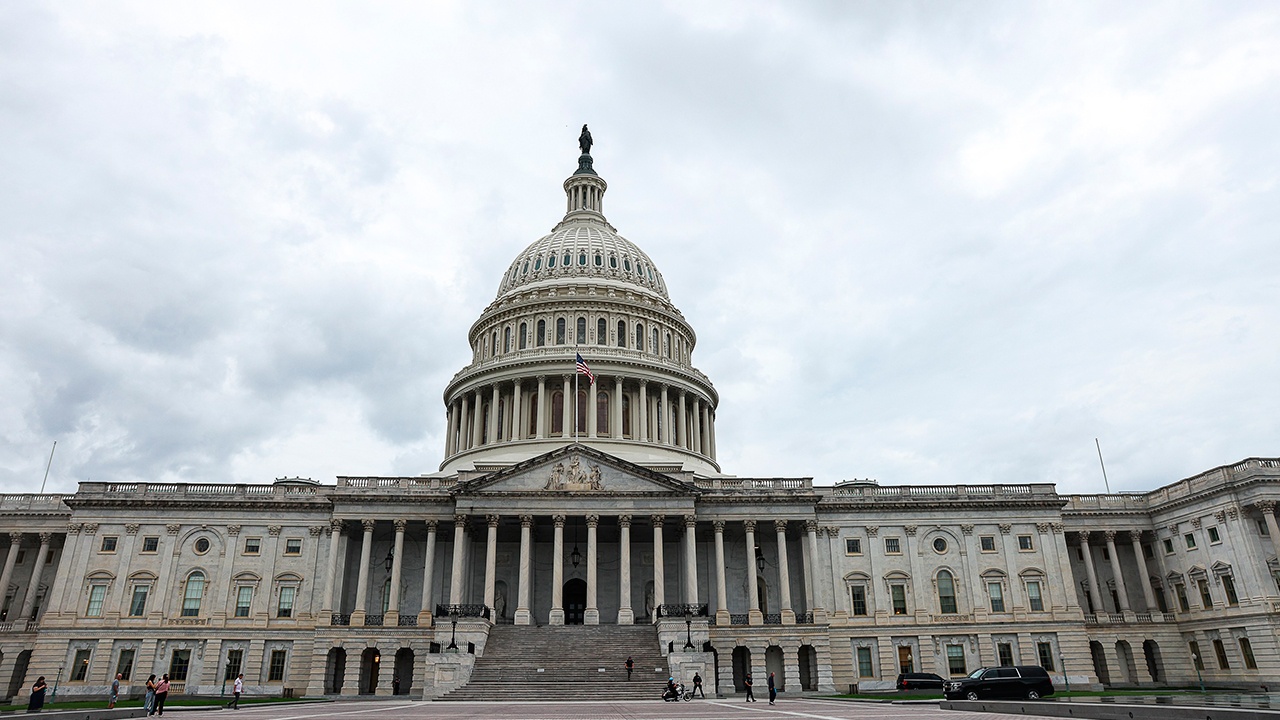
(872, 530)
(432, 525)
(368, 525)
(967, 528)
(593, 521)
(624, 521)
(690, 522)
(459, 519)
(1135, 536)
(558, 520)
(233, 530)
(618, 379)
(72, 529)
(1109, 536)
(336, 526)
(657, 520)
(400, 524)
(566, 378)
(517, 383)
(1220, 516)
(16, 537)
(833, 531)
(315, 530)
(1005, 528)
(274, 530)
(492, 520)
(526, 521)
(131, 528)
(912, 529)
(45, 538)
(1084, 536)
(171, 528)
(1042, 528)
(542, 378)
(644, 382)
(780, 526)
(811, 526)
(718, 526)
(750, 525)
(1057, 528)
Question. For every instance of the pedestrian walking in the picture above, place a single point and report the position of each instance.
(149, 700)
(746, 681)
(115, 691)
(237, 687)
(773, 691)
(162, 694)
(37, 695)
(630, 665)
(697, 686)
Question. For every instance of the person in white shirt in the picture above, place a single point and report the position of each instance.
(236, 689)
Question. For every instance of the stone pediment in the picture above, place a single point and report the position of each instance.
(575, 469)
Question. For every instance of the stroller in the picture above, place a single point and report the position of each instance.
(679, 694)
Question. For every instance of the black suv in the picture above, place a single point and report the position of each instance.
(1024, 681)
(920, 681)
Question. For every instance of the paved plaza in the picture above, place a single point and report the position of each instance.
(628, 710)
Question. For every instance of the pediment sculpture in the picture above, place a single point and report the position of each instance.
(573, 477)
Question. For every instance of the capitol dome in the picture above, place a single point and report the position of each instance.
(583, 289)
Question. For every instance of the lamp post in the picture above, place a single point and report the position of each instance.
(688, 628)
(1195, 660)
(453, 615)
(1066, 676)
(54, 696)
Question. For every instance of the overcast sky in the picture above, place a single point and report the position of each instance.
(922, 243)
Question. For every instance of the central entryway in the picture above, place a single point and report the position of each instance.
(575, 601)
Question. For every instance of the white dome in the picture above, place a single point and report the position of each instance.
(584, 248)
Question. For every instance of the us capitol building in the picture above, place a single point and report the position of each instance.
(565, 502)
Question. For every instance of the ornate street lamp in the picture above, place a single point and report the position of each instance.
(688, 627)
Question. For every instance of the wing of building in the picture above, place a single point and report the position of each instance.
(579, 520)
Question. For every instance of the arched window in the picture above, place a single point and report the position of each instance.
(559, 331)
(640, 336)
(566, 260)
(506, 340)
(626, 415)
(582, 258)
(602, 332)
(557, 413)
(551, 261)
(533, 413)
(582, 331)
(542, 333)
(654, 347)
(613, 262)
(493, 346)
(602, 413)
(666, 347)
(537, 264)
(626, 264)
(523, 341)
(193, 594)
(946, 593)
(484, 425)
(622, 333)
(599, 260)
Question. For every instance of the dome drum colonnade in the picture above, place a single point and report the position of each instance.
(582, 289)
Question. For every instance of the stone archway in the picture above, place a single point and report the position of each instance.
(1155, 664)
(575, 601)
(775, 662)
(1099, 662)
(335, 671)
(741, 667)
(404, 672)
(370, 664)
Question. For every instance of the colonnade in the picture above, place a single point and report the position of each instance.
(611, 407)
(626, 614)
(37, 574)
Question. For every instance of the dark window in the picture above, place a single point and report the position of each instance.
(557, 413)
(1005, 651)
(626, 415)
(602, 332)
(1246, 650)
(179, 664)
(542, 333)
(235, 659)
(613, 262)
(1181, 591)
(599, 260)
(1229, 586)
(995, 591)
(284, 608)
(853, 546)
(202, 545)
(939, 545)
(109, 543)
(523, 340)
(640, 336)
(1034, 597)
(582, 331)
(1168, 546)
(859, 596)
(252, 546)
(955, 659)
(1045, 651)
(275, 673)
(138, 604)
(1024, 543)
(293, 546)
(892, 546)
(899, 595)
(124, 666)
(244, 600)
(582, 258)
(1214, 536)
(1221, 651)
(602, 413)
(865, 668)
(1190, 539)
(987, 543)
(559, 331)
(622, 333)
(1196, 657)
(1206, 600)
(193, 594)
(946, 593)
(80, 666)
(533, 413)
(506, 340)
(150, 544)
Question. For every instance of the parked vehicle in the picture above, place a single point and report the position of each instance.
(1023, 681)
(920, 681)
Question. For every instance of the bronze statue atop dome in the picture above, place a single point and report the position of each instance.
(584, 141)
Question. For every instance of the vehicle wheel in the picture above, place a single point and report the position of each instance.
(971, 696)
(1033, 695)
(688, 696)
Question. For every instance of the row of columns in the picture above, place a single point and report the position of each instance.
(37, 573)
(690, 425)
(523, 614)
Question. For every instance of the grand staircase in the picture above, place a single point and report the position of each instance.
(567, 662)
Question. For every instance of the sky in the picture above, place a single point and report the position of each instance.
(924, 243)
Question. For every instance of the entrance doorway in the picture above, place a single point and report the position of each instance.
(336, 671)
(370, 661)
(741, 668)
(575, 601)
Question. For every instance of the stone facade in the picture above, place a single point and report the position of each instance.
(614, 509)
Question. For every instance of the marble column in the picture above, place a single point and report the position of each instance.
(664, 418)
(451, 423)
(591, 615)
(517, 401)
(428, 577)
(644, 411)
(455, 576)
(754, 616)
(362, 576)
(491, 432)
(464, 424)
(625, 614)
(491, 564)
(1268, 510)
(523, 614)
(683, 424)
(1094, 592)
(592, 415)
(659, 572)
(392, 618)
(477, 425)
(541, 423)
(696, 435)
(711, 430)
(15, 544)
(1121, 591)
(557, 574)
(784, 573)
(817, 598)
(570, 402)
(1148, 595)
(616, 430)
(691, 558)
(37, 572)
(722, 595)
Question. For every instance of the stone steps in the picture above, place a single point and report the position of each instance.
(567, 662)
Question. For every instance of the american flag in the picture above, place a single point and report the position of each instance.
(582, 368)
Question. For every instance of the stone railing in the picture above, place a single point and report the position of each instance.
(739, 619)
(804, 618)
(457, 611)
(754, 483)
(16, 501)
(679, 611)
(936, 492)
(18, 626)
(340, 619)
(204, 490)
(373, 620)
(566, 353)
(1085, 503)
(773, 619)
(408, 621)
(398, 484)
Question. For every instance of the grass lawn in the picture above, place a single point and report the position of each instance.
(178, 700)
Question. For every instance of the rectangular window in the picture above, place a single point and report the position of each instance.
(252, 546)
(996, 592)
(109, 544)
(1168, 546)
(1160, 599)
(1206, 599)
(97, 593)
(293, 546)
(1190, 539)
(1181, 591)
(1033, 596)
(1196, 657)
(1025, 544)
(22, 557)
(80, 667)
(853, 546)
(899, 595)
(1147, 552)
(178, 665)
(987, 543)
(1221, 651)
(955, 660)
(859, 595)
(235, 658)
(124, 667)
(275, 672)
(1229, 586)
(150, 544)
(1263, 529)
(1080, 554)
(1045, 651)
(1246, 650)
(906, 662)
(1005, 652)
(1214, 536)
(864, 663)
(1106, 554)
(892, 546)
(285, 607)
(138, 603)
(244, 600)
